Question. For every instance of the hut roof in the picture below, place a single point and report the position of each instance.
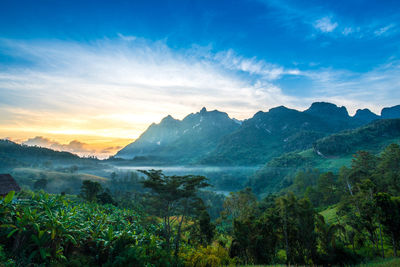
(7, 184)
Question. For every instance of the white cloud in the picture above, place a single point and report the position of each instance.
(384, 30)
(347, 30)
(325, 24)
(118, 87)
(374, 89)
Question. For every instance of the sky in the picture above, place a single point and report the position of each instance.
(90, 76)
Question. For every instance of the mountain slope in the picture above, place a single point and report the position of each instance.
(365, 116)
(328, 154)
(213, 138)
(266, 135)
(391, 113)
(16, 155)
(370, 135)
(181, 141)
(280, 130)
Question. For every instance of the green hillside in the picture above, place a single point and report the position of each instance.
(328, 154)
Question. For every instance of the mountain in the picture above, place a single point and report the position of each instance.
(266, 135)
(391, 113)
(280, 130)
(365, 116)
(181, 141)
(367, 136)
(338, 117)
(212, 138)
(328, 154)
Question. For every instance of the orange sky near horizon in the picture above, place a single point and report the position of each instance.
(99, 146)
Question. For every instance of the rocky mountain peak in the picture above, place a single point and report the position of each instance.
(325, 109)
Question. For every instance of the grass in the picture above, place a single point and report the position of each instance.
(330, 215)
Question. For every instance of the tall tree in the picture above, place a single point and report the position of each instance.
(241, 204)
(388, 171)
(174, 198)
(389, 216)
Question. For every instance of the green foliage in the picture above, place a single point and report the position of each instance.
(15, 155)
(240, 205)
(203, 230)
(90, 190)
(374, 134)
(174, 199)
(209, 256)
(389, 216)
(54, 230)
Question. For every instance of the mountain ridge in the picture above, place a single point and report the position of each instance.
(212, 137)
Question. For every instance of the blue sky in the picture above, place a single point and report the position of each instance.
(121, 65)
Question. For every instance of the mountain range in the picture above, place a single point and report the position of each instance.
(213, 138)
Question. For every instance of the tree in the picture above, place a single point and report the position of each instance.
(174, 198)
(297, 225)
(203, 230)
(106, 198)
(255, 239)
(240, 204)
(304, 179)
(40, 184)
(388, 170)
(327, 188)
(90, 190)
(327, 235)
(389, 216)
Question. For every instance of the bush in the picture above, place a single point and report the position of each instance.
(210, 256)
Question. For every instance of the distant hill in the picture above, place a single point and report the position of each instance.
(15, 155)
(212, 138)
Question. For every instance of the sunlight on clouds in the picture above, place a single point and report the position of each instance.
(114, 89)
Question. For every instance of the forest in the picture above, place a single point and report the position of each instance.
(153, 219)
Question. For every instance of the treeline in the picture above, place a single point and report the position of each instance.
(364, 203)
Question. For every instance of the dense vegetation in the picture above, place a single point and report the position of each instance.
(347, 217)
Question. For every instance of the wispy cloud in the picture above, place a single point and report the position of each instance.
(374, 89)
(325, 20)
(118, 87)
(325, 24)
(384, 30)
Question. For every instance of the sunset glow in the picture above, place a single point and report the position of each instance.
(104, 88)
